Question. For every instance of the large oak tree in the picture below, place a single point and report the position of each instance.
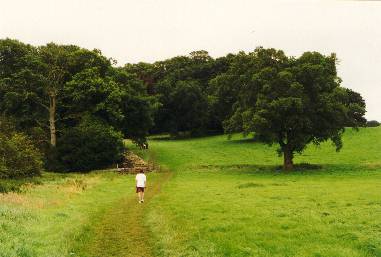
(294, 101)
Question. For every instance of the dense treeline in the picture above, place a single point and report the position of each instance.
(57, 92)
(63, 96)
(188, 102)
(283, 100)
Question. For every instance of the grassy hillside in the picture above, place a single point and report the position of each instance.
(61, 216)
(224, 198)
(361, 148)
(227, 198)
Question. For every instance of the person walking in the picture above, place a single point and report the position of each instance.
(141, 180)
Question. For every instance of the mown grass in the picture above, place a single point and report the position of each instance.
(228, 198)
(58, 217)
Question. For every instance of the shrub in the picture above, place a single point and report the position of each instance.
(8, 185)
(372, 123)
(91, 145)
(16, 185)
(18, 156)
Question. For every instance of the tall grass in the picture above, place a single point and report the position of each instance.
(56, 217)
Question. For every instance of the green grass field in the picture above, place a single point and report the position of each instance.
(62, 215)
(227, 198)
(224, 198)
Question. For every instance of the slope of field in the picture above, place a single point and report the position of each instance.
(227, 198)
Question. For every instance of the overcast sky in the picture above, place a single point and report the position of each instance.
(149, 30)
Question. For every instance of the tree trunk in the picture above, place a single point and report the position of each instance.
(288, 155)
(52, 118)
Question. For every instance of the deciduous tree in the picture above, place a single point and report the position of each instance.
(293, 102)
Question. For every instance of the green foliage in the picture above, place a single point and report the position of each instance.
(31, 89)
(19, 84)
(285, 100)
(90, 145)
(176, 83)
(19, 157)
(224, 88)
(372, 123)
(292, 102)
(6, 185)
(184, 107)
(139, 110)
(17, 184)
(47, 90)
(136, 105)
(118, 99)
(89, 92)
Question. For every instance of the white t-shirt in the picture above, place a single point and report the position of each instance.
(140, 180)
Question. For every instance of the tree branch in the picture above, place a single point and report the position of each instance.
(41, 124)
(43, 105)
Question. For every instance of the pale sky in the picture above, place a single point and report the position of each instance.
(149, 30)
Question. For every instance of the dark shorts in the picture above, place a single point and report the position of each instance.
(139, 189)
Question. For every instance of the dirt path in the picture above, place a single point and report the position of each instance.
(122, 231)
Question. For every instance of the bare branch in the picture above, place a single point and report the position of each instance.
(41, 124)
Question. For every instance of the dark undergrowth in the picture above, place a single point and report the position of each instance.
(16, 185)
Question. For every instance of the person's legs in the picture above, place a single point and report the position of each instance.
(140, 192)
(139, 195)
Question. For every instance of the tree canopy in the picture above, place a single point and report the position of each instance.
(47, 91)
(294, 101)
(290, 101)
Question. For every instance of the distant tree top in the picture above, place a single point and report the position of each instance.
(372, 123)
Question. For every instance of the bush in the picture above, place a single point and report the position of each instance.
(372, 123)
(19, 157)
(16, 185)
(91, 145)
(7, 185)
